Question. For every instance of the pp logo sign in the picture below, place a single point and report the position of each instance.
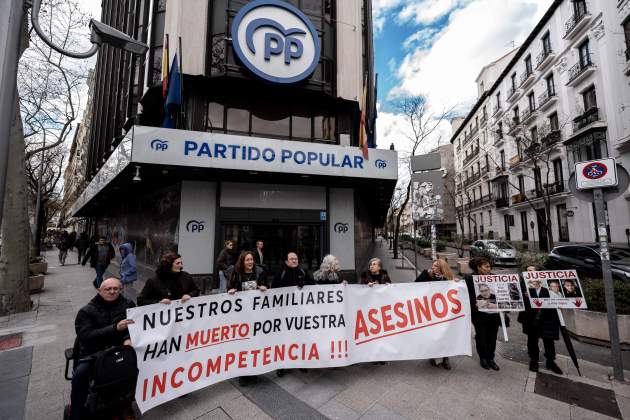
(380, 163)
(159, 145)
(194, 226)
(341, 227)
(276, 41)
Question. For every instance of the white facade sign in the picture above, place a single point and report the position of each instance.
(272, 196)
(213, 150)
(341, 226)
(276, 41)
(600, 173)
(196, 226)
(185, 347)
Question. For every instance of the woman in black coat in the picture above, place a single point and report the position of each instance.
(375, 274)
(537, 324)
(170, 283)
(486, 324)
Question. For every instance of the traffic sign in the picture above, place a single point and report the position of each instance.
(610, 193)
(600, 173)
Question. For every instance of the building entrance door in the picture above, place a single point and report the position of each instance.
(279, 238)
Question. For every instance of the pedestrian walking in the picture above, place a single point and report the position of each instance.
(486, 324)
(439, 271)
(375, 274)
(225, 260)
(128, 268)
(63, 244)
(540, 324)
(82, 243)
(170, 283)
(246, 275)
(259, 255)
(328, 272)
(100, 254)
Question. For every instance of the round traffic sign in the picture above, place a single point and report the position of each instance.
(595, 170)
(610, 193)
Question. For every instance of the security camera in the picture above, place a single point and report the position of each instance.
(102, 33)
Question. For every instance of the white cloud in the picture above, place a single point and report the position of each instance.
(427, 11)
(422, 39)
(380, 9)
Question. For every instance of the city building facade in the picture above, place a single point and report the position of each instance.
(562, 97)
(266, 140)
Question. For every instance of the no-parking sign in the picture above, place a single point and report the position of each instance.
(599, 173)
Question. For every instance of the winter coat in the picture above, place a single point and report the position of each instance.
(477, 316)
(226, 259)
(427, 276)
(326, 277)
(95, 324)
(170, 286)
(92, 254)
(543, 323)
(235, 280)
(82, 243)
(128, 272)
(292, 277)
(381, 277)
(64, 242)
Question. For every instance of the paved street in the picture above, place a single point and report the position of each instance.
(33, 386)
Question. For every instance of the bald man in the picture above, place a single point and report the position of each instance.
(99, 325)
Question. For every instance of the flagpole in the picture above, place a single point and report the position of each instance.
(181, 87)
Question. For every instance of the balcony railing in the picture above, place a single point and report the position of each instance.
(483, 120)
(588, 118)
(545, 97)
(472, 179)
(502, 202)
(540, 59)
(573, 21)
(552, 138)
(527, 112)
(472, 155)
(511, 91)
(480, 201)
(474, 130)
(518, 198)
(580, 68)
(514, 160)
(526, 76)
(547, 190)
(497, 109)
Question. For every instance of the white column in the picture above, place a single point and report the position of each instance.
(196, 226)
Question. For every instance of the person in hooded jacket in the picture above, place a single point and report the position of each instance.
(375, 274)
(82, 243)
(128, 270)
(328, 272)
(169, 283)
(291, 274)
(486, 324)
(540, 324)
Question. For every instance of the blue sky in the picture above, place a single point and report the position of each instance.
(437, 48)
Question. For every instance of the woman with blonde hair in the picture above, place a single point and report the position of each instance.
(328, 272)
(439, 271)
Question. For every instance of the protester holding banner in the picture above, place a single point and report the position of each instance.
(246, 275)
(328, 272)
(375, 274)
(540, 324)
(291, 274)
(439, 271)
(170, 282)
(486, 324)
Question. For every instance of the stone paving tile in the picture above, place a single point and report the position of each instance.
(241, 408)
(216, 414)
(378, 412)
(579, 413)
(624, 406)
(12, 394)
(335, 410)
(621, 389)
(544, 408)
(319, 392)
(404, 399)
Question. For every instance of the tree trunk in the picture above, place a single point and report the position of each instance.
(398, 217)
(14, 275)
(550, 241)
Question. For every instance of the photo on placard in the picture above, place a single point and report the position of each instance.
(486, 299)
(554, 289)
(498, 293)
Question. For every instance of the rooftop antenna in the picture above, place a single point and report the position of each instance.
(512, 43)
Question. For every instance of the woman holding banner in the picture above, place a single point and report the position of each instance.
(171, 282)
(439, 271)
(540, 324)
(486, 324)
(375, 274)
(328, 272)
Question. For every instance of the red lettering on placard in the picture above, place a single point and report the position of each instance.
(174, 382)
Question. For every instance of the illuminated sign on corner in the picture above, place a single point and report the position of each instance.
(276, 41)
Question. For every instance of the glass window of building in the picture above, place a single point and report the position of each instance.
(589, 98)
(554, 124)
(528, 65)
(585, 54)
(546, 42)
(216, 117)
(237, 119)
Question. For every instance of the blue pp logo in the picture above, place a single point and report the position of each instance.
(159, 145)
(282, 49)
(380, 163)
(194, 226)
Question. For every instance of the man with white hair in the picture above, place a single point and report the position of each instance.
(100, 324)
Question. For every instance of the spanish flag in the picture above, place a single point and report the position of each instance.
(363, 138)
(165, 68)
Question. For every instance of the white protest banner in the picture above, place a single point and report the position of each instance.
(498, 293)
(554, 289)
(185, 347)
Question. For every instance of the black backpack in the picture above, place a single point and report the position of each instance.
(114, 379)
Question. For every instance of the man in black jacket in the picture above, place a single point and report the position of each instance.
(100, 254)
(100, 324)
(291, 274)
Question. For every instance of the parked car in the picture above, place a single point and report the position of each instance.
(502, 252)
(585, 259)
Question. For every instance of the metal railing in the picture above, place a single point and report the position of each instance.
(545, 97)
(587, 118)
(525, 76)
(551, 138)
(472, 155)
(483, 119)
(472, 179)
(579, 68)
(574, 20)
(502, 202)
(528, 112)
(542, 57)
(496, 110)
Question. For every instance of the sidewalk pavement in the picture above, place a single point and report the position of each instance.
(32, 384)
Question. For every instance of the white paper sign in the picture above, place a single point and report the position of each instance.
(498, 293)
(554, 289)
(182, 348)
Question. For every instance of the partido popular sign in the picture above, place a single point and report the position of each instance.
(185, 347)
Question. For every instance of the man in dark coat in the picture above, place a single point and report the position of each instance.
(291, 274)
(540, 324)
(100, 254)
(537, 291)
(99, 325)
